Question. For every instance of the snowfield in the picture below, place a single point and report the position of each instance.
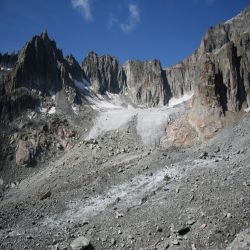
(151, 122)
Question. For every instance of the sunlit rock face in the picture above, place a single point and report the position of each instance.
(146, 83)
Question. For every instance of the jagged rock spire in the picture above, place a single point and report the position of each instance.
(44, 34)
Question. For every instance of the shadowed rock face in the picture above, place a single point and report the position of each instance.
(8, 60)
(38, 67)
(74, 68)
(102, 72)
(184, 76)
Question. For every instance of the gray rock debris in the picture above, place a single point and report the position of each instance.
(241, 242)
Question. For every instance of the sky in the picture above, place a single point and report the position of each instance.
(168, 30)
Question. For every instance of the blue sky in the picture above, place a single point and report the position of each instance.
(168, 30)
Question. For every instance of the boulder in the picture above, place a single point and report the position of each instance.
(25, 153)
(81, 243)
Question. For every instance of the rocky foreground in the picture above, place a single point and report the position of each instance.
(99, 155)
(119, 194)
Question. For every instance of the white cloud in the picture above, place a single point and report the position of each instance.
(133, 19)
(112, 21)
(84, 7)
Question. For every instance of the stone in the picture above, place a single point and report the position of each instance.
(118, 215)
(167, 178)
(245, 183)
(112, 241)
(241, 241)
(45, 195)
(190, 222)
(184, 230)
(12, 185)
(203, 155)
(175, 242)
(81, 243)
(25, 153)
(159, 229)
(193, 247)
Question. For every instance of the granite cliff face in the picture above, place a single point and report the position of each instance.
(145, 83)
(184, 76)
(102, 72)
(218, 74)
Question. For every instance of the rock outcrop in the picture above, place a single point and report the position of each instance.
(39, 66)
(145, 83)
(218, 74)
(102, 72)
(184, 76)
(206, 112)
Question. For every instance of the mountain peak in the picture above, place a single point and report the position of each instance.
(44, 34)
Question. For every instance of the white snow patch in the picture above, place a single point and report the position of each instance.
(176, 101)
(151, 123)
(75, 109)
(52, 110)
(6, 68)
(131, 193)
(110, 120)
(98, 102)
(247, 109)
